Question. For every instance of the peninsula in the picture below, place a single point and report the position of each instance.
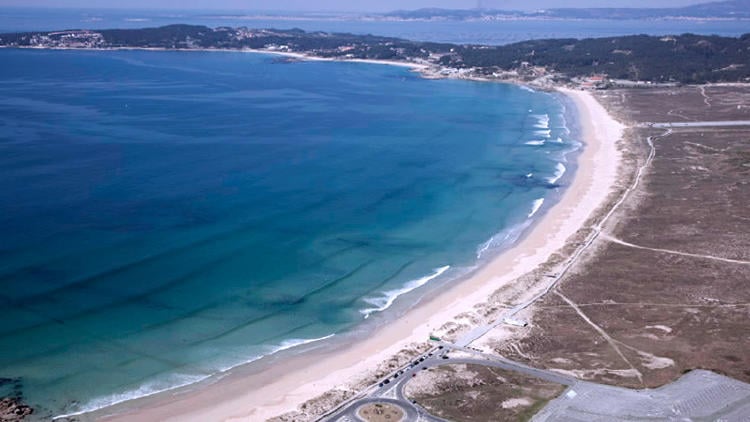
(614, 61)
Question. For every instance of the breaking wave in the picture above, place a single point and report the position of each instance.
(559, 172)
(387, 298)
(175, 381)
(535, 208)
(542, 121)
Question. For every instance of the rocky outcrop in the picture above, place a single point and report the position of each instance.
(13, 410)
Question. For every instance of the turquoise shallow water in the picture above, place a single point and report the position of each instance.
(167, 216)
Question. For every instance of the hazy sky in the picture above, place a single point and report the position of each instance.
(343, 5)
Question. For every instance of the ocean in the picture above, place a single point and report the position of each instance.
(478, 32)
(167, 216)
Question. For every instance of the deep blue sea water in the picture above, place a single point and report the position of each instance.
(502, 32)
(166, 216)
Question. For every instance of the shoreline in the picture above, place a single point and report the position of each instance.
(257, 394)
(425, 70)
(307, 57)
(290, 54)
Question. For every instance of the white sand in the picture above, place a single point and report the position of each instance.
(302, 56)
(280, 389)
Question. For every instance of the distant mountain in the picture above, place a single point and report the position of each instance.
(731, 9)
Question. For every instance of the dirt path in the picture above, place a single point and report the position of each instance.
(612, 342)
(692, 255)
(706, 98)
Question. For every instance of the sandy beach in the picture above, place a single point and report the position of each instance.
(244, 396)
(301, 56)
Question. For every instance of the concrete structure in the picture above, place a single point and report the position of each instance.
(696, 396)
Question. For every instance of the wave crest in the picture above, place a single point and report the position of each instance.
(387, 298)
(560, 170)
(535, 208)
(175, 381)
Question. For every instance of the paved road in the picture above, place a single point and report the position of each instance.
(726, 123)
(698, 396)
(393, 390)
(350, 413)
(582, 398)
(497, 361)
(390, 389)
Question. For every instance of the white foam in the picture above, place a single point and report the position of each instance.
(387, 298)
(542, 121)
(535, 208)
(559, 171)
(546, 133)
(175, 381)
(564, 121)
(288, 344)
(535, 143)
(270, 350)
(530, 175)
(147, 389)
(504, 238)
(526, 88)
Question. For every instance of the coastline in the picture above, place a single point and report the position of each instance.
(425, 70)
(245, 394)
(306, 57)
(289, 54)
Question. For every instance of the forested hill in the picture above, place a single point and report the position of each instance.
(684, 58)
